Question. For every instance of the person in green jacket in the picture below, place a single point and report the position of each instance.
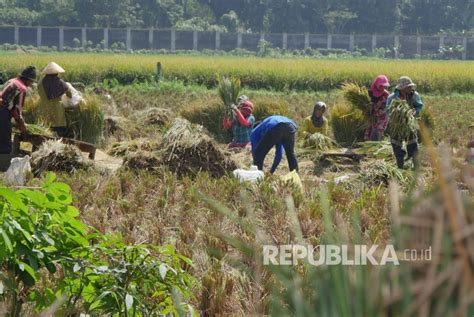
(51, 89)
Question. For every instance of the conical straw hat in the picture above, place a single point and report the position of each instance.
(53, 69)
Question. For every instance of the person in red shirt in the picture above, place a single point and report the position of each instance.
(242, 123)
(12, 99)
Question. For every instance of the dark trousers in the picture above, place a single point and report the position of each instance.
(61, 132)
(412, 150)
(283, 133)
(5, 131)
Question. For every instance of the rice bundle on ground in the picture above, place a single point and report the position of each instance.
(142, 160)
(380, 172)
(155, 116)
(124, 148)
(376, 149)
(187, 150)
(319, 142)
(402, 121)
(57, 157)
(348, 124)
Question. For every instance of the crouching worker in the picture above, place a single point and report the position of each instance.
(278, 132)
(406, 90)
(12, 99)
(50, 89)
(241, 123)
(317, 122)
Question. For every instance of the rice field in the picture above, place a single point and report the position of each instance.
(257, 73)
(221, 225)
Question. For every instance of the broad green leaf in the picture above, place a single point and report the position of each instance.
(6, 239)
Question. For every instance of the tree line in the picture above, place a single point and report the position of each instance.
(277, 16)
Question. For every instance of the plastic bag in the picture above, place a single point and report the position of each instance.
(253, 175)
(18, 172)
(293, 177)
(75, 100)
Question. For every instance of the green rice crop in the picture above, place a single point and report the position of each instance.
(257, 73)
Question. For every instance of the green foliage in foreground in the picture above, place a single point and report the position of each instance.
(47, 256)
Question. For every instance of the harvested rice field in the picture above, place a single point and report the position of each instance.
(162, 226)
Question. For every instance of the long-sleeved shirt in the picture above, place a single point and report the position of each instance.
(414, 100)
(309, 127)
(13, 97)
(259, 132)
(241, 127)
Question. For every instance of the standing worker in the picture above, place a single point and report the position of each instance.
(275, 131)
(378, 94)
(50, 89)
(317, 122)
(406, 90)
(12, 99)
(241, 123)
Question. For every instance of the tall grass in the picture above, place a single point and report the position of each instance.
(272, 74)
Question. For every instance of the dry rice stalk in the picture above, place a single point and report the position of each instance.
(57, 157)
(187, 150)
(142, 160)
(376, 172)
(121, 149)
(155, 116)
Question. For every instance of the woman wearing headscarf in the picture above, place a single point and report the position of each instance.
(51, 89)
(241, 123)
(378, 94)
(316, 122)
(12, 99)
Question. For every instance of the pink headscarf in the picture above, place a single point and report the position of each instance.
(381, 80)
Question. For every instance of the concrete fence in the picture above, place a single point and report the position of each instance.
(400, 46)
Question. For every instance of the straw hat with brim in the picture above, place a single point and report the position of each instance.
(53, 69)
(405, 82)
(29, 73)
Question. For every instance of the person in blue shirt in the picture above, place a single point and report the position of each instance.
(405, 90)
(278, 132)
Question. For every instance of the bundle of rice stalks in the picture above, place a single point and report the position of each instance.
(155, 116)
(319, 142)
(380, 172)
(376, 149)
(37, 129)
(57, 157)
(229, 89)
(87, 121)
(402, 121)
(187, 150)
(211, 118)
(30, 109)
(348, 124)
(142, 160)
(358, 96)
(121, 149)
